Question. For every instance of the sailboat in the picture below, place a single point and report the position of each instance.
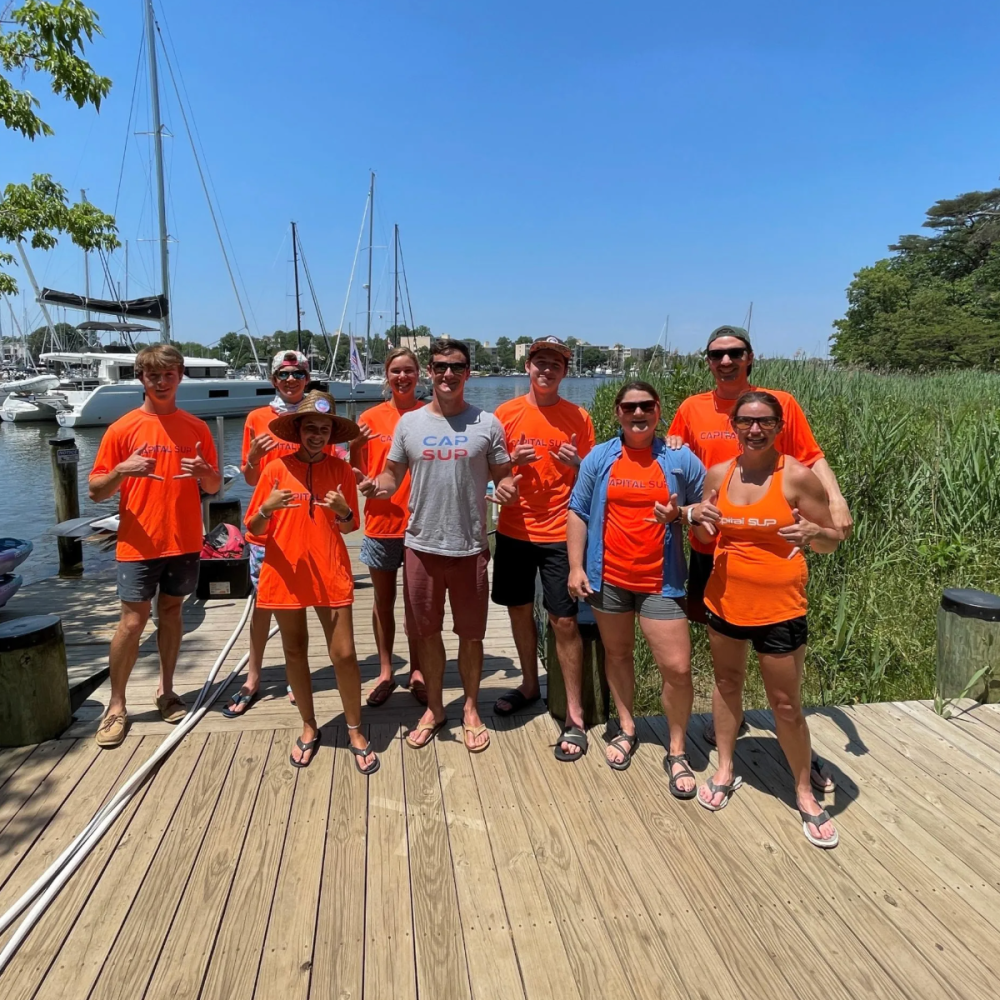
(114, 389)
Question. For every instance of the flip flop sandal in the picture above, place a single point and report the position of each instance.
(425, 727)
(709, 731)
(312, 746)
(516, 700)
(576, 737)
(359, 755)
(727, 790)
(628, 751)
(820, 781)
(685, 772)
(380, 693)
(474, 731)
(818, 820)
(290, 692)
(419, 691)
(234, 710)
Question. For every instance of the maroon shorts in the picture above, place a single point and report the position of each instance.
(426, 579)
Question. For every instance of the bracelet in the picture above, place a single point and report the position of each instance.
(267, 517)
(690, 515)
(344, 520)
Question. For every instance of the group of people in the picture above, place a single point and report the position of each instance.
(600, 523)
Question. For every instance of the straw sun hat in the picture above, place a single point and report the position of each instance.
(286, 426)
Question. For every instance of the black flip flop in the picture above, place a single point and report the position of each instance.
(516, 700)
(358, 754)
(686, 772)
(632, 741)
(818, 779)
(312, 745)
(240, 699)
(576, 737)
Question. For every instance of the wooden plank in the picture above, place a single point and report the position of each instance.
(389, 949)
(577, 902)
(489, 945)
(11, 760)
(180, 967)
(546, 970)
(286, 961)
(442, 968)
(951, 735)
(26, 779)
(30, 821)
(232, 969)
(93, 933)
(130, 963)
(891, 927)
(338, 957)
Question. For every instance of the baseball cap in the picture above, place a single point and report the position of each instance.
(729, 331)
(550, 344)
(285, 359)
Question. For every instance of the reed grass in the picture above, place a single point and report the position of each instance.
(918, 459)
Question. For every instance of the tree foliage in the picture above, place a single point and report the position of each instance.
(936, 301)
(48, 39)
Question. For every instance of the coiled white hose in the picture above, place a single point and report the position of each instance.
(57, 874)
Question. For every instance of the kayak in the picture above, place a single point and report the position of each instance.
(13, 552)
(9, 585)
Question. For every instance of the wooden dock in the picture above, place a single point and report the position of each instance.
(501, 875)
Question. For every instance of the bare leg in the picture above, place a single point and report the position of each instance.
(729, 658)
(384, 619)
(618, 636)
(416, 674)
(432, 658)
(782, 676)
(670, 644)
(260, 625)
(522, 625)
(470, 668)
(569, 650)
(168, 639)
(344, 658)
(124, 650)
(295, 643)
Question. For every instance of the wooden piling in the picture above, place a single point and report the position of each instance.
(65, 458)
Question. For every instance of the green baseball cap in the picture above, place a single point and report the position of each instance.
(729, 331)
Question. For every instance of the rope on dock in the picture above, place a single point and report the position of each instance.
(58, 873)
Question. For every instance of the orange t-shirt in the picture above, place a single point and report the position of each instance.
(384, 518)
(703, 422)
(753, 581)
(306, 564)
(633, 547)
(259, 422)
(158, 518)
(540, 513)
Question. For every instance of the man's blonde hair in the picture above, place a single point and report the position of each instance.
(158, 358)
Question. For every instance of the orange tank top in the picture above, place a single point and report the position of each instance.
(753, 581)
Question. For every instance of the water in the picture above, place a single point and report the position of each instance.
(28, 510)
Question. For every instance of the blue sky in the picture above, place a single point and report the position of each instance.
(571, 168)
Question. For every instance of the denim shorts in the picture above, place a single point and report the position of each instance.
(256, 561)
(382, 553)
(614, 600)
(174, 576)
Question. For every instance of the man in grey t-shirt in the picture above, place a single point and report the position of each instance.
(452, 450)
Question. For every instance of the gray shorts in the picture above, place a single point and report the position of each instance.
(382, 553)
(256, 561)
(175, 576)
(614, 600)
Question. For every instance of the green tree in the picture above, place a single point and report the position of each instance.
(592, 357)
(48, 39)
(505, 352)
(69, 336)
(524, 340)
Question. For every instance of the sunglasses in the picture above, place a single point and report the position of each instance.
(645, 406)
(298, 375)
(440, 367)
(735, 354)
(764, 423)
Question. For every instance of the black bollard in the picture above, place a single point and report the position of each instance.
(65, 457)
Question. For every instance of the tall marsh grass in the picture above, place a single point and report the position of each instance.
(918, 459)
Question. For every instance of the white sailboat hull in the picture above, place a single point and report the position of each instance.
(38, 409)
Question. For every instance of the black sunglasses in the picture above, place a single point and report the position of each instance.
(735, 354)
(298, 375)
(645, 405)
(765, 423)
(440, 367)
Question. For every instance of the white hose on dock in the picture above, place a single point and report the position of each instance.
(57, 874)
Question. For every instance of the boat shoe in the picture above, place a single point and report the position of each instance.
(111, 732)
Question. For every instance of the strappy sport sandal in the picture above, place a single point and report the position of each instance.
(818, 820)
(631, 742)
(685, 772)
(727, 790)
(307, 748)
(576, 737)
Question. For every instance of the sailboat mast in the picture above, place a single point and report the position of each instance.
(161, 204)
(298, 309)
(86, 262)
(371, 238)
(395, 279)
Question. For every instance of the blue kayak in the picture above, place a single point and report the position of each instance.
(9, 585)
(13, 552)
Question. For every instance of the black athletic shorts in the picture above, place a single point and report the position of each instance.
(781, 637)
(699, 570)
(515, 563)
